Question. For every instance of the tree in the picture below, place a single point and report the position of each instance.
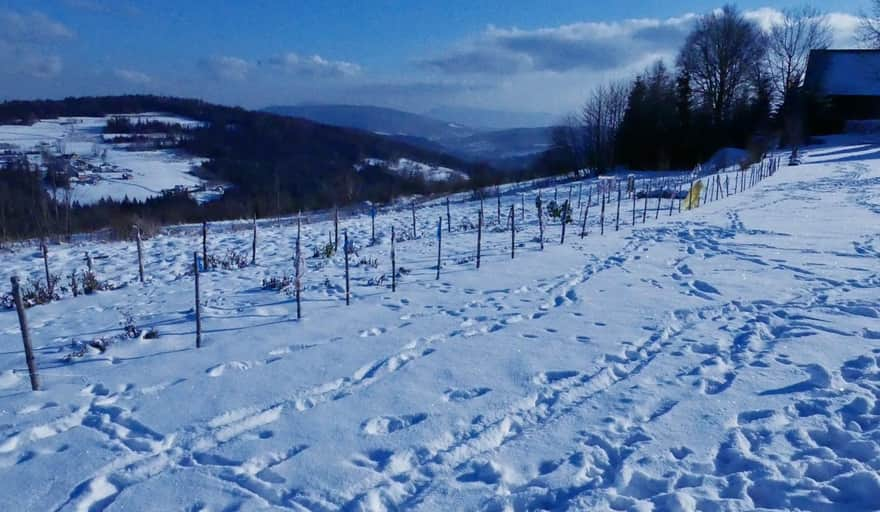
(869, 26)
(719, 56)
(789, 44)
(602, 116)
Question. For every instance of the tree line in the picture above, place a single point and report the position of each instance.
(732, 84)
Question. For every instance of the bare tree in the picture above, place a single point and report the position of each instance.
(789, 43)
(568, 140)
(720, 55)
(601, 117)
(869, 26)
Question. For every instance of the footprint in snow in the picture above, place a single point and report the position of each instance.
(389, 424)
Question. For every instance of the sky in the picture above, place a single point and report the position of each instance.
(514, 55)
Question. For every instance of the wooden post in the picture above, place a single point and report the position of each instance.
(49, 285)
(602, 214)
(726, 186)
(512, 231)
(522, 209)
(335, 229)
(634, 203)
(299, 266)
(671, 200)
(564, 221)
(659, 198)
(680, 184)
(345, 250)
(580, 186)
(25, 335)
(539, 206)
(254, 242)
(198, 301)
(645, 207)
(393, 264)
(413, 204)
(479, 234)
(205, 264)
(498, 198)
(439, 243)
(448, 217)
(617, 219)
(373, 225)
(586, 226)
(137, 234)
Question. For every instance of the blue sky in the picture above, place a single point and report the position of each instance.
(514, 54)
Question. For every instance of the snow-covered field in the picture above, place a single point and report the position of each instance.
(149, 172)
(726, 358)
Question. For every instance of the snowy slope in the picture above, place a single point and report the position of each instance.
(726, 358)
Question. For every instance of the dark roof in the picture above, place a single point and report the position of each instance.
(844, 72)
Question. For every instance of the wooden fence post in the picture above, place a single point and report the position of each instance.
(522, 209)
(373, 225)
(512, 231)
(498, 201)
(415, 233)
(205, 264)
(680, 184)
(580, 186)
(634, 203)
(671, 200)
(49, 285)
(335, 229)
(617, 219)
(539, 206)
(585, 227)
(345, 250)
(565, 207)
(137, 233)
(297, 282)
(448, 217)
(25, 335)
(659, 198)
(393, 264)
(479, 234)
(198, 301)
(439, 244)
(254, 242)
(602, 214)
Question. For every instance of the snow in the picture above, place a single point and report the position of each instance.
(149, 172)
(407, 167)
(724, 358)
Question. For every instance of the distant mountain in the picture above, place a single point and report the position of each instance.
(486, 119)
(384, 121)
(511, 148)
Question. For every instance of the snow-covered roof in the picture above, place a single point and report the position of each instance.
(844, 72)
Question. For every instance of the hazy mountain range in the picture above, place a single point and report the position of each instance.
(507, 148)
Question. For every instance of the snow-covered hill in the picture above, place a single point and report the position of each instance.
(105, 169)
(726, 358)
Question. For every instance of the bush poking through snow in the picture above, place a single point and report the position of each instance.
(278, 284)
(231, 260)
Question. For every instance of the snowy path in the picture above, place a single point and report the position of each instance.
(721, 359)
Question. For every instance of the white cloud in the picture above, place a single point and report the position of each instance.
(132, 77)
(314, 65)
(31, 28)
(226, 68)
